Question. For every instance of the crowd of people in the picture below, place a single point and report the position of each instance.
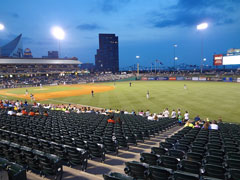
(56, 79)
(22, 108)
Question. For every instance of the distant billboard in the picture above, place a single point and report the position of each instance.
(172, 78)
(218, 60)
(227, 79)
(195, 79)
(231, 60)
(202, 78)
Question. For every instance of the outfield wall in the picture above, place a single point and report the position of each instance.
(194, 78)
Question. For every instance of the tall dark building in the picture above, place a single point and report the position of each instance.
(53, 54)
(107, 58)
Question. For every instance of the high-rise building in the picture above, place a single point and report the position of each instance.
(107, 58)
(53, 54)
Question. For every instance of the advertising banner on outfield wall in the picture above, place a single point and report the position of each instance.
(202, 78)
(180, 78)
(151, 78)
(172, 79)
(144, 79)
(188, 78)
(238, 80)
(195, 78)
(162, 78)
(227, 79)
(215, 79)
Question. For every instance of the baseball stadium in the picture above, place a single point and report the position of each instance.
(63, 119)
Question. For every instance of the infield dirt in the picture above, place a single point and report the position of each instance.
(83, 90)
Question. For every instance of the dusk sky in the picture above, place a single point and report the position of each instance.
(145, 28)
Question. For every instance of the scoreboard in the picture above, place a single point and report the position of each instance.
(220, 59)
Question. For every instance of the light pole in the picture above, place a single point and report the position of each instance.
(204, 60)
(201, 27)
(59, 34)
(174, 54)
(137, 57)
(2, 27)
(175, 61)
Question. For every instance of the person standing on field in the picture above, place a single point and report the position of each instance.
(92, 93)
(148, 95)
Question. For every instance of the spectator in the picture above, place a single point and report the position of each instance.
(45, 113)
(180, 119)
(119, 120)
(19, 113)
(206, 125)
(11, 112)
(214, 125)
(166, 113)
(189, 124)
(111, 120)
(179, 112)
(31, 113)
(150, 117)
(37, 112)
(197, 118)
(174, 114)
(220, 120)
(186, 116)
(197, 125)
(24, 112)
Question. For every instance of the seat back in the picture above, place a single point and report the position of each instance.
(158, 150)
(149, 158)
(159, 173)
(190, 166)
(214, 171)
(169, 162)
(136, 169)
(185, 176)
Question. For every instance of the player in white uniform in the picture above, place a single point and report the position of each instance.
(147, 94)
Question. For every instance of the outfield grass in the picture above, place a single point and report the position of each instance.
(208, 99)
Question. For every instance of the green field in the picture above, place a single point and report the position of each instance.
(208, 99)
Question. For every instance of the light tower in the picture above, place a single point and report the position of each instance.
(138, 57)
(59, 34)
(202, 27)
(2, 27)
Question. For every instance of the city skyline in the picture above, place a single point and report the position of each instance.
(146, 29)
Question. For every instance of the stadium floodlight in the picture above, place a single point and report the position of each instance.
(202, 26)
(2, 27)
(58, 33)
(204, 59)
(174, 55)
(137, 57)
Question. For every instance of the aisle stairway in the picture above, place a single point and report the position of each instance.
(112, 163)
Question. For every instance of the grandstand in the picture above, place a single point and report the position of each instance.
(63, 143)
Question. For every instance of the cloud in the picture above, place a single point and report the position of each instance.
(88, 27)
(14, 15)
(108, 6)
(27, 40)
(190, 13)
